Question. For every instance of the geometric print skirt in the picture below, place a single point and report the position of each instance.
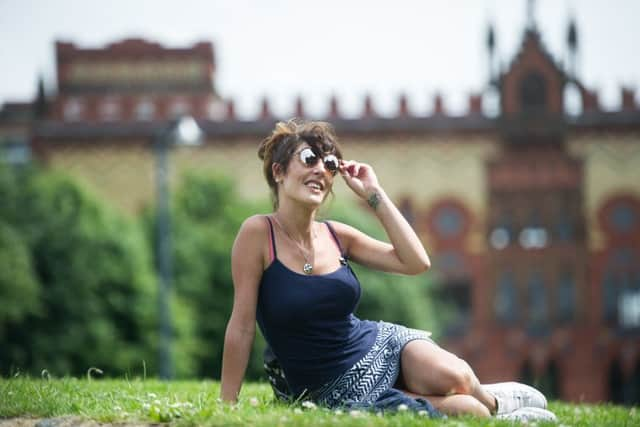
(366, 380)
(375, 373)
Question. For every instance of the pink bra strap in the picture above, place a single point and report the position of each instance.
(272, 240)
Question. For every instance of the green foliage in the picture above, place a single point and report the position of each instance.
(88, 293)
(18, 284)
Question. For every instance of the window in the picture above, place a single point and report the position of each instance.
(533, 92)
(73, 109)
(537, 319)
(629, 301)
(15, 152)
(610, 298)
(455, 296)
(621, 290)
(448, 221)
(145, 109)
(502, 234)
(533, 235)
(179, 107)
(506, 297)
(109, 109)
(217, 110)
(564, 226)
(623, 218)
(624, 389)
(565, 298)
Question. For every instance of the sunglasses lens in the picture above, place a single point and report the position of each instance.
(331, 163)
(308, 157)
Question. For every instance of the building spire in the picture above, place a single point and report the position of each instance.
(572, 45)
(531, 20)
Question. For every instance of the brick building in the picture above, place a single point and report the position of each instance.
(532, 216)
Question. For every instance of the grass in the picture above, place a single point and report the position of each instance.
(187, 403)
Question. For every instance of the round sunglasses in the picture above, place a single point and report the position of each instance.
(310, 159)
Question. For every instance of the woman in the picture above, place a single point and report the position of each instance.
(291, 275)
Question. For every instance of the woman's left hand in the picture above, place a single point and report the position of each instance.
(360, 177)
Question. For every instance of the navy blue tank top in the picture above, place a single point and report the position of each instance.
(308, 321)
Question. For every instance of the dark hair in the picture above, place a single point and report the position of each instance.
(280, 146)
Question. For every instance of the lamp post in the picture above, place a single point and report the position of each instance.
(181, 131)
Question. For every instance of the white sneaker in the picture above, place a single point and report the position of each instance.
(527, 414)
(511, 396)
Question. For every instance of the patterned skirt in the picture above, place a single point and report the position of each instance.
(365, 381)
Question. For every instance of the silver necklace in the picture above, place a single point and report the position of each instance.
(307, 267)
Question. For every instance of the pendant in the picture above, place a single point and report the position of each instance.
(307, 268)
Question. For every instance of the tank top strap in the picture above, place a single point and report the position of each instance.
(335, 238)
(272, 241)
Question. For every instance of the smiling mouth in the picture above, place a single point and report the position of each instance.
(314, 185)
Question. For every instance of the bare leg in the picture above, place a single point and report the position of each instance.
(456, 404)
(429, 370)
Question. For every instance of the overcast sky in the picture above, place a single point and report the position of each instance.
(284, 48)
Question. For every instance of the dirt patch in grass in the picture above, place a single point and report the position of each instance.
(67, 422)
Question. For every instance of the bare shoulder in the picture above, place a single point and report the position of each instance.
(254, 225)
(342, 228)
(250, 249)
(252, 236)
(345, 232)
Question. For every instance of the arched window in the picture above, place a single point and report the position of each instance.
(623, 218)
(533, 92)
(449, 221)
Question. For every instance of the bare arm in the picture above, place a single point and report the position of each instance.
(247, 264)
(405, 254)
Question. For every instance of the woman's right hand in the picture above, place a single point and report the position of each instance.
(360, 177)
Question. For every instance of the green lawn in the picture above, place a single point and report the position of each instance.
(196, 403)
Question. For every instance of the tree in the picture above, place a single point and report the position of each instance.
(95, 293)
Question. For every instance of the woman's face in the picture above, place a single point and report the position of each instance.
(302, 183)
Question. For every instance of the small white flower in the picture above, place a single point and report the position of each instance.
(423, 413)
(152, 395)
(402, 407)
(117, 408)
(355, 413)
(309, 405)
(146, 406)
(297, 411)
(338, 412)
(254, 401)
(157, 402)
